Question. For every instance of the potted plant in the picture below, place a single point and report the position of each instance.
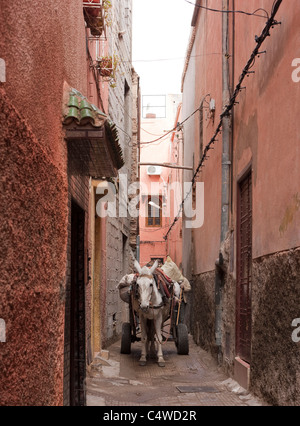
(108, 66)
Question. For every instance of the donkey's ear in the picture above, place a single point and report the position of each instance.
(137, 267)
(155, 265)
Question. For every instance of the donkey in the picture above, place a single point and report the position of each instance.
(152, 311)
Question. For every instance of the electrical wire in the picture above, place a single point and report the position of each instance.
(152, 134)
(158, 141)
(259, 40)
(178, 126)
(232, 11)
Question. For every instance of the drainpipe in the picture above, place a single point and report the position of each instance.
(226, 164)
(138, 238)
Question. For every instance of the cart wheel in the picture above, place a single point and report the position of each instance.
(182, 340)
(126, 338)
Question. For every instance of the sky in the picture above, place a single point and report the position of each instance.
(161, 31)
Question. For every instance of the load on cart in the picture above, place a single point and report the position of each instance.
(155, 297)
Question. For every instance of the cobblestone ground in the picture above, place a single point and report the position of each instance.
(186, 380)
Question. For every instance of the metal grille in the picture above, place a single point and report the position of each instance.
(244, 276)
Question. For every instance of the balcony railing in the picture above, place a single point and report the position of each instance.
(94, 16)
(97, 14)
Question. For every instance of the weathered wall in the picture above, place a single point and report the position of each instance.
(43, 45)
(203, 311)
(120, 101)
(203, 82)
(117, 267)
(33, 258)
(266, 136)
(135, 153)
(276, 293)
(265, 140)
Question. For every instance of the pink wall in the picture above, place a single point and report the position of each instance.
(267, 135)
(266, 132)
(152, 240)
(174, 243)
(265, 141)
(208, 61)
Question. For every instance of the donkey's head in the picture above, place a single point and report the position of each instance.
(145, 283)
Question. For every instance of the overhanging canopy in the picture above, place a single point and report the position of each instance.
(93, 142)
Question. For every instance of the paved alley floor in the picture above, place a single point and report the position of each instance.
(186, 380)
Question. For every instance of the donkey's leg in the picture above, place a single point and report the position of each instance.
(158, 324)
(151, 350)
(143, 322)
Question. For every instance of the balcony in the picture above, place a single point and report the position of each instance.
(97, 16)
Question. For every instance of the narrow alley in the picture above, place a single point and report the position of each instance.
(186, 380)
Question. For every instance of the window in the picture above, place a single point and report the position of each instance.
(154, 211)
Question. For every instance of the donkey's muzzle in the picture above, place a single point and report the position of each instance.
(144, 309)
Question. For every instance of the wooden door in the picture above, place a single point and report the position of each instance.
(244, 269)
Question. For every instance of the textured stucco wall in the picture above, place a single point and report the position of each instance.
(43, 45)
(275, 371)
(202, 311)
(33, 257)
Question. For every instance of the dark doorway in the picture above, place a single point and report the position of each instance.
(77, 337)
(244, 269)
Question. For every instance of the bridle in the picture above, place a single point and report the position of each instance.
(151, 277)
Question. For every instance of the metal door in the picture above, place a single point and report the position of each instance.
(244, 269)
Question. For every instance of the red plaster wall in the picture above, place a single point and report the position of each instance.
(43, 45)
(33, 258)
